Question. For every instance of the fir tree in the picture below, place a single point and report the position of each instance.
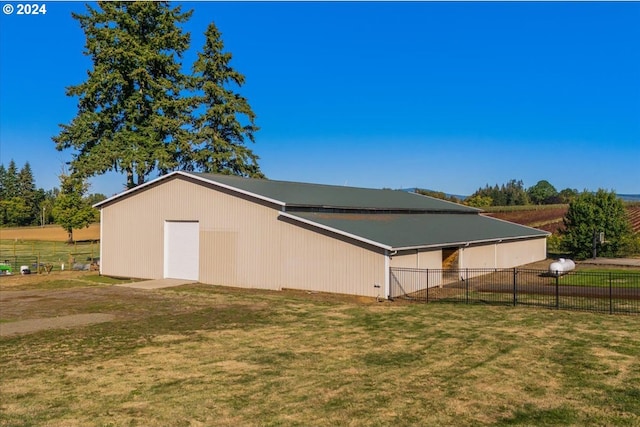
(131, 115)
(10, 184)
(224, 121)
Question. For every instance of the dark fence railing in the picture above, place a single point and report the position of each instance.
(607, 292)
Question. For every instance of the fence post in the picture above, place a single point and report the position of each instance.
(466, 282)
(557, 291)
(515, 298)
(610, 295)
(427, 273)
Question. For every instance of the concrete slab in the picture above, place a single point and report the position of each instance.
(624, 262)
(157, 283)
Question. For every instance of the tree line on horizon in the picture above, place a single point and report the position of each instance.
(513, 193)
(590, 215)
(23, 204)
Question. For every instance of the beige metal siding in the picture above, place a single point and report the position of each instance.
(318, 261)
(513, 254)
(504, 254)
(430, 259)
(242, 243)
(218, 257)
(483, 256)
(422, 258)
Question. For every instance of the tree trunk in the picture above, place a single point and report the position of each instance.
(70, 234)
(130, 183)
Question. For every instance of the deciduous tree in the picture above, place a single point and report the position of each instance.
(590, 214)
(542, 193)
(71, 210)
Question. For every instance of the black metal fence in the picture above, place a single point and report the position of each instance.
(606, 292)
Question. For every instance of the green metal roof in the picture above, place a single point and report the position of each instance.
(403, 231)
(300, 195)
(390, 219)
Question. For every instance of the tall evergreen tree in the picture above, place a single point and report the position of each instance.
(3, 177)
(131, 115)
(26, 189)
(11, 180)
(223, 120)
(512, 193)
(25, 185)
(15, 208)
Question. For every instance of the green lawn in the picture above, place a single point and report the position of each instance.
(203, 355)
(602, 278)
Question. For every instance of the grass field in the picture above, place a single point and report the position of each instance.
(550, 217)
(52, 233)
(203, 355)
(602, 277)
(55, 253)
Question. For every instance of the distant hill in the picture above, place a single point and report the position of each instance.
(413, 190)
(624, 197)
(630, 197)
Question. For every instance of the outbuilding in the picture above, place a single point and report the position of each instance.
(258, 233)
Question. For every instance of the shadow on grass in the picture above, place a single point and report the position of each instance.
(534, 416)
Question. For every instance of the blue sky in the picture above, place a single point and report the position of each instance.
(446, 96)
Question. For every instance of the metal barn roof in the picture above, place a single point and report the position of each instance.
(411, 231)
(298, 194)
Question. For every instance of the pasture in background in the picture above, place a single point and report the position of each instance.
(46, 248)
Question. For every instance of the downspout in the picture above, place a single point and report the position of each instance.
(101, 237)
(387, 273)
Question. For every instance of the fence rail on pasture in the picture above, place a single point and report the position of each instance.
(606, 292)
(44, 256)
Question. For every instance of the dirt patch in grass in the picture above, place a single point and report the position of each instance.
(57, 280)
(59, 322)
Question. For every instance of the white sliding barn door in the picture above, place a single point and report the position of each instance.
(181, 250)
